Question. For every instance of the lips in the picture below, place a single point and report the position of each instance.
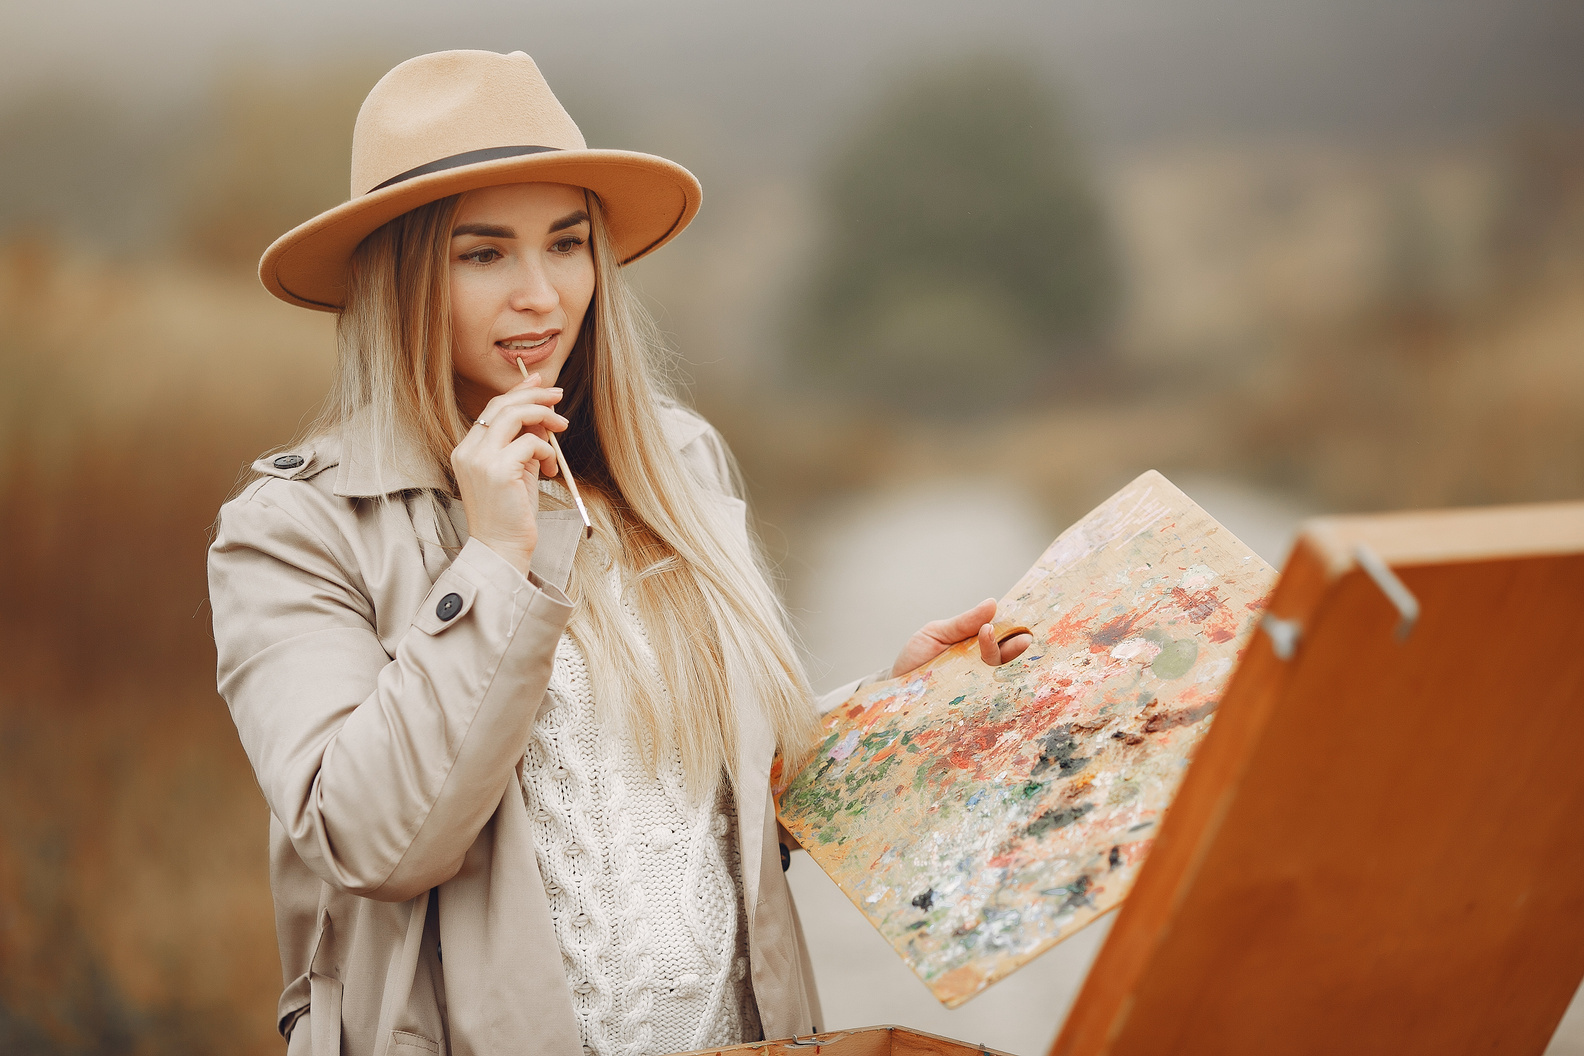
(530, 348)
(526, 342)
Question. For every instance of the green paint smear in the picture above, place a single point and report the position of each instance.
(813, 800)
(1175, 658)
(854, 781)
(876, 741)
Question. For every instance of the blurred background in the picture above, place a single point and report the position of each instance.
(963, 269)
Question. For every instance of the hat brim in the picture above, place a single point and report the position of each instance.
(648, 201)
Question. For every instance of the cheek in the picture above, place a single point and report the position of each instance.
(577, 291)
(467, 307)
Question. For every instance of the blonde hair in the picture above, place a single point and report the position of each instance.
(718, 632)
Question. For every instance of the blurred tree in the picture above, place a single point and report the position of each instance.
(75, 166)
(273, 153)
(265, 149)
(964, 244)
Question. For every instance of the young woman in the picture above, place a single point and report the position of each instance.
(517, 773)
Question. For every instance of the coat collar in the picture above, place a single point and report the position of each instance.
(351, 451)
(362, 474)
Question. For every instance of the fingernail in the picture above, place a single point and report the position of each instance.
(532, 379)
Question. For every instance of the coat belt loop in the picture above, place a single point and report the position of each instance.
(324, 1014)
(399, 976)
(324, 997)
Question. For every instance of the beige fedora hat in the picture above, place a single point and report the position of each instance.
(455, 121)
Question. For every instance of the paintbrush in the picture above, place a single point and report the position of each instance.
(588, 525)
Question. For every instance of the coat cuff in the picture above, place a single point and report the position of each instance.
(485, 567)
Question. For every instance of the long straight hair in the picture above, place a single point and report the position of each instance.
(715, 631)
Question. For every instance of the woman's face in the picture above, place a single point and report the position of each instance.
(522, 276)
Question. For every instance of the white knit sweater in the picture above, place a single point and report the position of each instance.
(643, 882)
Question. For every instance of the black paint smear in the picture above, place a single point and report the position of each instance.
(1057, 819)
(1056, 750)
(926, 900)
(1115, 631)
(1078, 894)
(1115, 857)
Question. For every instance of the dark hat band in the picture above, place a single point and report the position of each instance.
(456, 161)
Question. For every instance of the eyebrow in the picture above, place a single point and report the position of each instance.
(501, 231)
(570, 220)
(483, 231)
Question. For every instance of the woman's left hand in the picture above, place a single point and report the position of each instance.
(935, 638)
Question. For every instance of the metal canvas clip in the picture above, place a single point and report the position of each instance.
(1396, 592)
(1283, 635)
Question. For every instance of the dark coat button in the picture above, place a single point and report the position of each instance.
(288, 461)
(449, 606)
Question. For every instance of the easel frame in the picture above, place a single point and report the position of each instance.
(1378, 847)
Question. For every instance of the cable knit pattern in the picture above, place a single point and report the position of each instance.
(643, 882)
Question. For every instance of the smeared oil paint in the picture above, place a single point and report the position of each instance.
(1059, 818)
(979, 815)
(1175, 659)
(1058, 749)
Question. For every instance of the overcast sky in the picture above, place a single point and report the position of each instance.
(774, 77)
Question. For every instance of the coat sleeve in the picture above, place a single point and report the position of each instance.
(382, 770)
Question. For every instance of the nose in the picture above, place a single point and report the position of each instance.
(533, 291)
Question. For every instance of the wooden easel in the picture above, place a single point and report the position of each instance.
(1379, 847)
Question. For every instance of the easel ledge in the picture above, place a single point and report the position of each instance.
(1429, 537)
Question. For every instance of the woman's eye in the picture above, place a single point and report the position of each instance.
(568, 244)
(483, 255)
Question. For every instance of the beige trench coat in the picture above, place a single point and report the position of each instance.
(384, 674)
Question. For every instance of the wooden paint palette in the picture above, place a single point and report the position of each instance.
(979, 815)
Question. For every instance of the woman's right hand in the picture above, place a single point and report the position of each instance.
(498, 465)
